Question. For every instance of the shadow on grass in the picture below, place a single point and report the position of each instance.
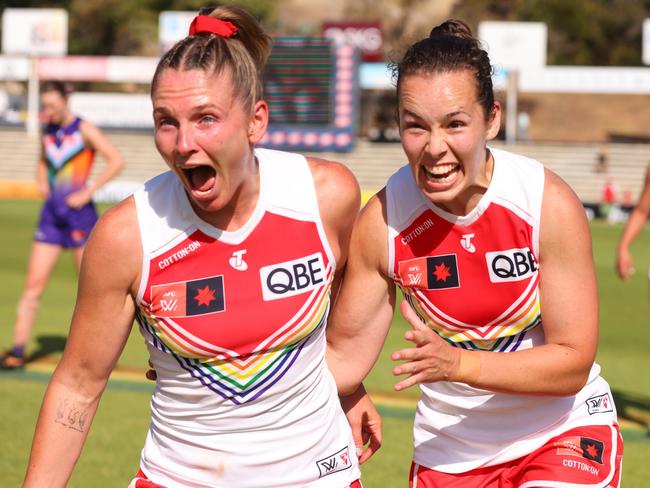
(633, 407)
(47, 345)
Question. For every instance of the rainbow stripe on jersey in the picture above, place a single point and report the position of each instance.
(505, 333)
(68, 159)
(238, 377)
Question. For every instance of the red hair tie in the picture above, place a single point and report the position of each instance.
(206, 24)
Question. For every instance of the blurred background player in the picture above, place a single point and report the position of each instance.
(637, 220)
(493, 255)
(68, 149)
(233, 312)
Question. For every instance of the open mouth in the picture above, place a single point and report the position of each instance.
(441, 173)
(200, 178)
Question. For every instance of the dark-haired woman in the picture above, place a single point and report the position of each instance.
(227, 262)
(68, 149)
(493, 255)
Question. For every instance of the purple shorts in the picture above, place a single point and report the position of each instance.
(64, 226)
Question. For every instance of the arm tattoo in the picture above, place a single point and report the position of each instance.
(71, 416)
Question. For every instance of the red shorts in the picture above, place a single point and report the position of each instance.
(141, 481)
(586, 456)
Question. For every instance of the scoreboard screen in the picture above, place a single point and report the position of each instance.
(298, 81)
(311, 87)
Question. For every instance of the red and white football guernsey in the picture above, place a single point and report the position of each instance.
(235, 326)
(474, 280)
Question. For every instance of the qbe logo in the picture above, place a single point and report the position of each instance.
(291, 278)
(511, 264)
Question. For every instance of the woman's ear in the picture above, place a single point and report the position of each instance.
(259, 122)
(494, 121)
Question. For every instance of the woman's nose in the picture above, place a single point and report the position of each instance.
(185, 142)
(437, 145)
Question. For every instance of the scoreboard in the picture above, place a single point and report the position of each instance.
(298, 81)
(311, 87)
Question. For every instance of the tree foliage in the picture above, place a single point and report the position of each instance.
(118, 27)
(580, 32)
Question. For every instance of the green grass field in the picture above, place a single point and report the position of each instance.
(111, 453)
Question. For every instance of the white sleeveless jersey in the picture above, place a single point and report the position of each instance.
(235, 327)
(474, 280)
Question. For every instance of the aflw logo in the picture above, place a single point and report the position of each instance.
(334, 463)
(169, 305)
(188, 298)
(414, 278)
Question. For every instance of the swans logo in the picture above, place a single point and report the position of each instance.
(291, 278)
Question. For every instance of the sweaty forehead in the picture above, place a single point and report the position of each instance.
(439, 88)
(457, 77)
(199, 77)
(190, 84)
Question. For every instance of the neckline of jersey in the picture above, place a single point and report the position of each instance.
(482, 204)
(234, 236)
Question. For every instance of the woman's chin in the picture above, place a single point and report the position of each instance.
(206, 200)
(202, 195)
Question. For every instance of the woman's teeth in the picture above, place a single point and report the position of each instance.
(441, 172)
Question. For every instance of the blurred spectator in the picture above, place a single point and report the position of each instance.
(607, 198)
(602, 161)
(68, 215)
